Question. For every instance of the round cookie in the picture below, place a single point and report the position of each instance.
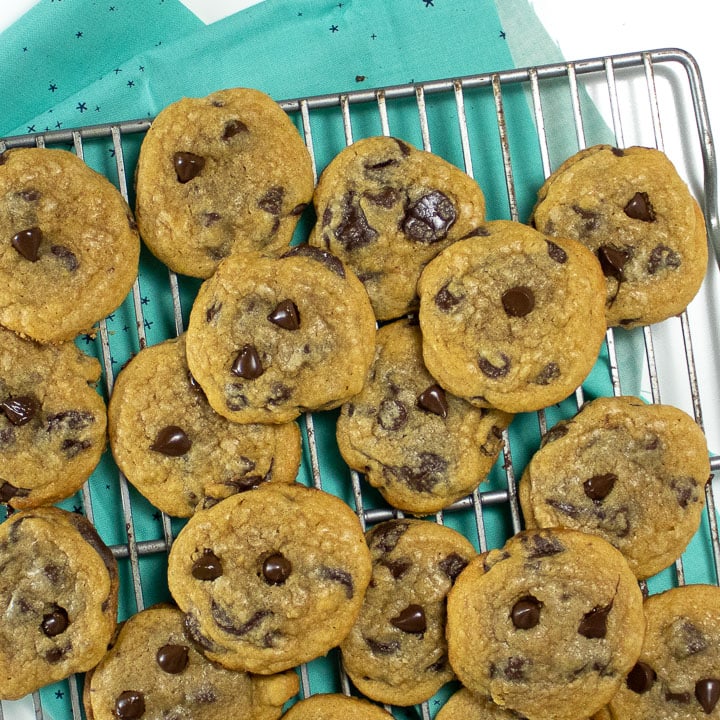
(153, 672)
(511, 319)
(678, 672)
(386, 209)
(334, 706)
(70, 247)
(52, 421)
(632, 209)
(176, 450)
(557, 622)
(421, 447)
(218, 174)
(271, 578)
(58, 599)
(271, 337)
(396, 652)
(632, 473)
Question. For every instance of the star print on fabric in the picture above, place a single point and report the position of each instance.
(334, 28)
(77, 509)
(59, 694)
(81, 106)
(112, 8)
(373, 36)
(78, 34)
(117, 70)
(58, 124)
(148, 324)
(131, 83)
(429, 3)
(156, 516)
(31, 128)
(53, 87)
(502, 35)
(141, 68)
(144, 300)
(25, 49)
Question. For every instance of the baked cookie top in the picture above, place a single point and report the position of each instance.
(421, 447)
(631, 472)
(153, 672)
(557, 622)
(271, 578)
(52, 420)
(271, 337)
(176, 450)
(633, 210)
(396, 652)
(71, 249)
(217, 174)
(678, 672)
(386, 208)
(511, 319)
(58, 599)
(334, 706)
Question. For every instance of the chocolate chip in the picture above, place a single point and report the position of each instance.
(423, 477)
(69, 420)
(518, 301)
(73, 447)
(591, 218)
(379, 647)
(207, 567)
(445, 300)
(397, 568)
(392, 415)
(541, 546)
(429, 219)
(453, 565)
(172, 441)
(564, 507)
(682, 698)
(515, 668)
(7, 437)
(233, 128)
(271, 201)
(556, 252)
(30, 195)
(641, 678)
(299, 209)
(385, 536)
(279, 393)
(247, 364)
(210, 218)
(662, 257)
(212, 312)
(55, 622)
(187, 166)
(554, 433)
(613, 261)
(130, 704)
(381, 164)
(20, 409)
(66, 256)
(525, 613)
(8, 492)
(27, 243)
(433, 400)
(494, 371)
(226, 623)
(639, 207)
(56, 654)
(172, 659)
(285, 315)
(685, 491)
(707, 692)
(691, 640)
(549, 373)
(439, 665)
(594, 622)
(411, 620)
(319, 255)
(338, 575)
(386, 198)
(276, 569)
(598, 487)
(617, 152)
(353, 231)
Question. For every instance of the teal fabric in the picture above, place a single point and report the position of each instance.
(79, 62)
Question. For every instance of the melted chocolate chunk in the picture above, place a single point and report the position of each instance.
(564, 507)
(549, 373)
(379, 647)
(207, 567)
(591, 218)
(598, 487)
(279, 393)
(380, 164)
(271, 201)
(690, 640)
(195, 386)
(426, 476)
(20, 409)
(453, 565)
(247, 363)
(66, 256)
(554, 433)
(515, 668)
(556, 252)
(210, 218)
(129, 705)
(7, 437)
(641, 678)
(56, 654)
(69, 420)
(30, 195)
(55, 622)
(429, 219)
(172, 441)
(353, 231)
(285, 315)
(397, 568)
(276, 569)
(685, 491)
(187, 166)
(541, 546)
(617, 152)
(212, 312)
(72, 447)
(392, 415)
(525, 613)
(439, 665)
(494, 371)
(226, 623)
(8, 492)
(594, 623)
(707, 692)
(172, 659)
(663, 257)
(387, 197)
(518, 301)
(233, 128)
(319, 255)
(434, 401)
(613, 261)
(639, 207)
(445, 300)
(411, 620)
(27, 243)
(340, 576)
(386, 536)
(192, 631)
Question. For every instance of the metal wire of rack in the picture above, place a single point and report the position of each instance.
(425, 111)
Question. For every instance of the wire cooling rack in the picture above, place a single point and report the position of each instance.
(509, 130)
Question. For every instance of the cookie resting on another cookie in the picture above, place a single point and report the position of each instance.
(334, 706)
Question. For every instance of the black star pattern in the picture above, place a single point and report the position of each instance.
(126, 328)
(58, 124)
(78, 34)
(131, 83)
(59, 694)
(97, 108)
(148, 324)
(141, 68)
(82, 107)
(334, 28)
(87, 338)
(111, 317)
(112, 151)
(112, 8)
(429, 3)
(144, 300)
(31, 128)
(77, 509)
(373, 36)
(53, 87)
(502, 34)
(113, 361)
(156, 516)
(25, 49)
(117, 70)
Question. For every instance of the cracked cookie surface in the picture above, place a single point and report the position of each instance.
(632, 473)
(557, 622)
(633, 210)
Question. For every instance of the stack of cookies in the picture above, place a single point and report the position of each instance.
(426, 327)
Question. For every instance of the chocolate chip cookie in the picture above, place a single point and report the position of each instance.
(220, 173)
(334, 706)
(58, 599)
(152, 671)
(678, 672)
(633, 210)
(271, 578)
(553, 621)
(270, 337)
(52, 421)
(176, 450)
(631, 472)
(70, 247)
(510, 318)
(421, 447)
(396, 651)
(386, 209)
